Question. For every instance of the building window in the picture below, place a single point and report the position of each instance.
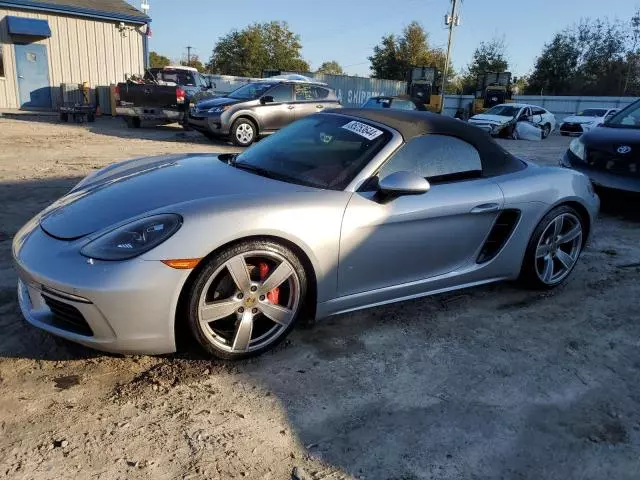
(1, 60)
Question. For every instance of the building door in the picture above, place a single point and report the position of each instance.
(32, 69)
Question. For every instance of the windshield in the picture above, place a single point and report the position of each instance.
(627, 118)
(593, 112)
(324, 151)
(503, 111)
(250, 91)
(377, 103)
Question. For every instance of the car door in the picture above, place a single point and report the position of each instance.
(537, 116)
(277, 108)
(307, 98)
(395, 241)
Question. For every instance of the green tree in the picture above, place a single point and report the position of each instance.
(488, 57)
(260, 46)
(158, 61)
(194, 62)
(555, 69)
(331, 68)
(591, 58)
(394, 56)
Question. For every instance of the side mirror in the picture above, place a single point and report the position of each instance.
(209, 85)
(403, 183)
(266, 99)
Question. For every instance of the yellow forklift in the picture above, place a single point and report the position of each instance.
(492, 89)
(422, 86)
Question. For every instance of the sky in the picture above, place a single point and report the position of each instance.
(347, 30)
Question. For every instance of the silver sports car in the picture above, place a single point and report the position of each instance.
(339, 211)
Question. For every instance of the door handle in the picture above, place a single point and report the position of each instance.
(20, 76)
(485, 208)
(319, 106)
(291, 107)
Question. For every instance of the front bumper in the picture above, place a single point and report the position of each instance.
(600, 177)
(569, 128)
(151, 113)
(213, 123)
(490, 128)
(128, 306)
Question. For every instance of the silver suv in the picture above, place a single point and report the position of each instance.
(260, 108)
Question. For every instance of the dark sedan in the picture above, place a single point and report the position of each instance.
(610, 154)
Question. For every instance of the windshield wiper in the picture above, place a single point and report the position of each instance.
(276, 176)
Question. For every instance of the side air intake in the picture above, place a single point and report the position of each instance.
(499, 234)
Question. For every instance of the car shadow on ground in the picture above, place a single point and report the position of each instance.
(116, 127)
(622, 205)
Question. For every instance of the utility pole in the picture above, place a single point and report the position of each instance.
(189, 55)
(451, 20)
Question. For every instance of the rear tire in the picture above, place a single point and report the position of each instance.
(228, 311)
(243, 132)
(554, 249)
(64, 117)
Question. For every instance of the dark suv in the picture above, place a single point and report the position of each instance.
(260, 108)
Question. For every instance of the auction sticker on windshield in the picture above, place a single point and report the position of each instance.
(362, 129)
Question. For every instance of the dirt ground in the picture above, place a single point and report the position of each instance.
(489, 383)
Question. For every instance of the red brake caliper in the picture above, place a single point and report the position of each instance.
(274, 295)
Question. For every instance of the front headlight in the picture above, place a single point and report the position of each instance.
(577, 148)
(133, 239)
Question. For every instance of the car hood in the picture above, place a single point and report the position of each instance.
(217, 102)
(609, 139)
(580, 119)
(131, 189)
(483, 117)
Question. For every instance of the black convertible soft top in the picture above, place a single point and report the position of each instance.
(495, 159)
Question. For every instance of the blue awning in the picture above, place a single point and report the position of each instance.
(28, 26)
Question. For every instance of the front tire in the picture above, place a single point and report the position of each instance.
(243, 132)
(554, 248)
(246, 299)
(546, 130)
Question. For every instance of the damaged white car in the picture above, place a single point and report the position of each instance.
(586, 120)
(501, 120)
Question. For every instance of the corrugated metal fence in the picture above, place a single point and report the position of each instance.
(352, 91)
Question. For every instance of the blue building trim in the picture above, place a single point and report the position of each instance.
(28, 26)
(78, 11)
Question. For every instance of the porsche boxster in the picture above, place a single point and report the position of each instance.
(339, 211)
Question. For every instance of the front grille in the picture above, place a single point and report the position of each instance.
(67, 317)
(627, 166)
(571, 128)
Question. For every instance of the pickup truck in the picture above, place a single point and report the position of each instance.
(163, 96)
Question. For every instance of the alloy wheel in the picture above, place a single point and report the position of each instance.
(558, 249)
(244, 133)
(249, 301)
